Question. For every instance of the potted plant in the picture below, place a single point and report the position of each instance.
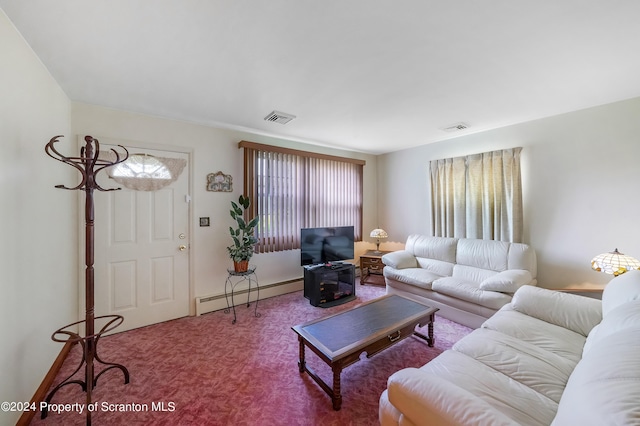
(243, 239)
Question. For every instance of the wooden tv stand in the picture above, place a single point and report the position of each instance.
(329, 284)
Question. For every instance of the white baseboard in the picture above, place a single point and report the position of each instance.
(216, 302)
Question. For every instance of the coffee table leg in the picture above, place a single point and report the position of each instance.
(336, 398)
(429, 337)
(431, 340)
(301, 361)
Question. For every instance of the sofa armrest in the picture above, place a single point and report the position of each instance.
(426, 399)
(576, 313)
(400, 259)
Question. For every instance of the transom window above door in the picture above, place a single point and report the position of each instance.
(145, 172)
(142, 166)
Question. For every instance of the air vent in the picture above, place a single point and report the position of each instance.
(456, 127)
(279, 117)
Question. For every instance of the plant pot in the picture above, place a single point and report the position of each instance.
(241, 266)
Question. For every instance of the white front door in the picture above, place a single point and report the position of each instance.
(142, 249)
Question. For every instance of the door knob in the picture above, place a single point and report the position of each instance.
(182, 247)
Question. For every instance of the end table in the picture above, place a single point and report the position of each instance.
(371, 264)
(590, 290)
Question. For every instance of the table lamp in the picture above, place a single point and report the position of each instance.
(614, 262)
(378, 234)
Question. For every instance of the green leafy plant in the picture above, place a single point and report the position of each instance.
(243, 237)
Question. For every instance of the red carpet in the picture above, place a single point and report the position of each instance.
(207, 371)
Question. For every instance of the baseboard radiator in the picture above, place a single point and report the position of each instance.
(216, 302)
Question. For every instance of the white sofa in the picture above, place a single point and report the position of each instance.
(467, 279)
(547, 358)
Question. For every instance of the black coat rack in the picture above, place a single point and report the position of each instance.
(88, 164)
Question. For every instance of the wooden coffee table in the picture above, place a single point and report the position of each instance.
(371, 327)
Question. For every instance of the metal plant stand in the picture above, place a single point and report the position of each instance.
(229, 287)
(88, 164)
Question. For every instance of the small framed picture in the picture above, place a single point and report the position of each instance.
(204, 221)
(219, 182)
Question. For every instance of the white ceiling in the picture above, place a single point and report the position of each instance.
(363, 75)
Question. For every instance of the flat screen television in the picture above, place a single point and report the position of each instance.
(326, 245)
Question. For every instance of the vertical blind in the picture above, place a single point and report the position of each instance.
(478, 196)
(293, 189)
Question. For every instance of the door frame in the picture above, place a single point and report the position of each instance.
(132, 146)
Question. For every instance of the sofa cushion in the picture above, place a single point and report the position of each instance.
(623, 317)
(465, 290)
(577, 313)
(537, 368)
(425, 399)
(515, 400)
(604, 388)
(444, 269)
(484, 254)
(415, 276)
(623, 288)
(507, 281)
(553, 338)
(471, 273)
(522, 256)
(439, 248)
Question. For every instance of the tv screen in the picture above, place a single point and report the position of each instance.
(326, 245)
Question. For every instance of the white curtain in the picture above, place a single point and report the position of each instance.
(477, 196)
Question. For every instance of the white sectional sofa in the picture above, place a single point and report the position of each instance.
(546, 358)
(467, 279)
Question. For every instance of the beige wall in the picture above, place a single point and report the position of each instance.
(580, 184)
(38, 254)
(213, 150)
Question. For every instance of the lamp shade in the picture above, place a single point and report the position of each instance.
(379, 233)
(614, 262)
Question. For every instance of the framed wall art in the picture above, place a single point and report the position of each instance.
(219, 182)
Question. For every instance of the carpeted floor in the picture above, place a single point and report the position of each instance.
(206, 371)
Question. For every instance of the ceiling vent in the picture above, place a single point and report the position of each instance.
(279, 117)
(456, 127)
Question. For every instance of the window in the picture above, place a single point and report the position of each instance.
(478, 196)
(142, 166)
(145, 172)
(292, 189)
